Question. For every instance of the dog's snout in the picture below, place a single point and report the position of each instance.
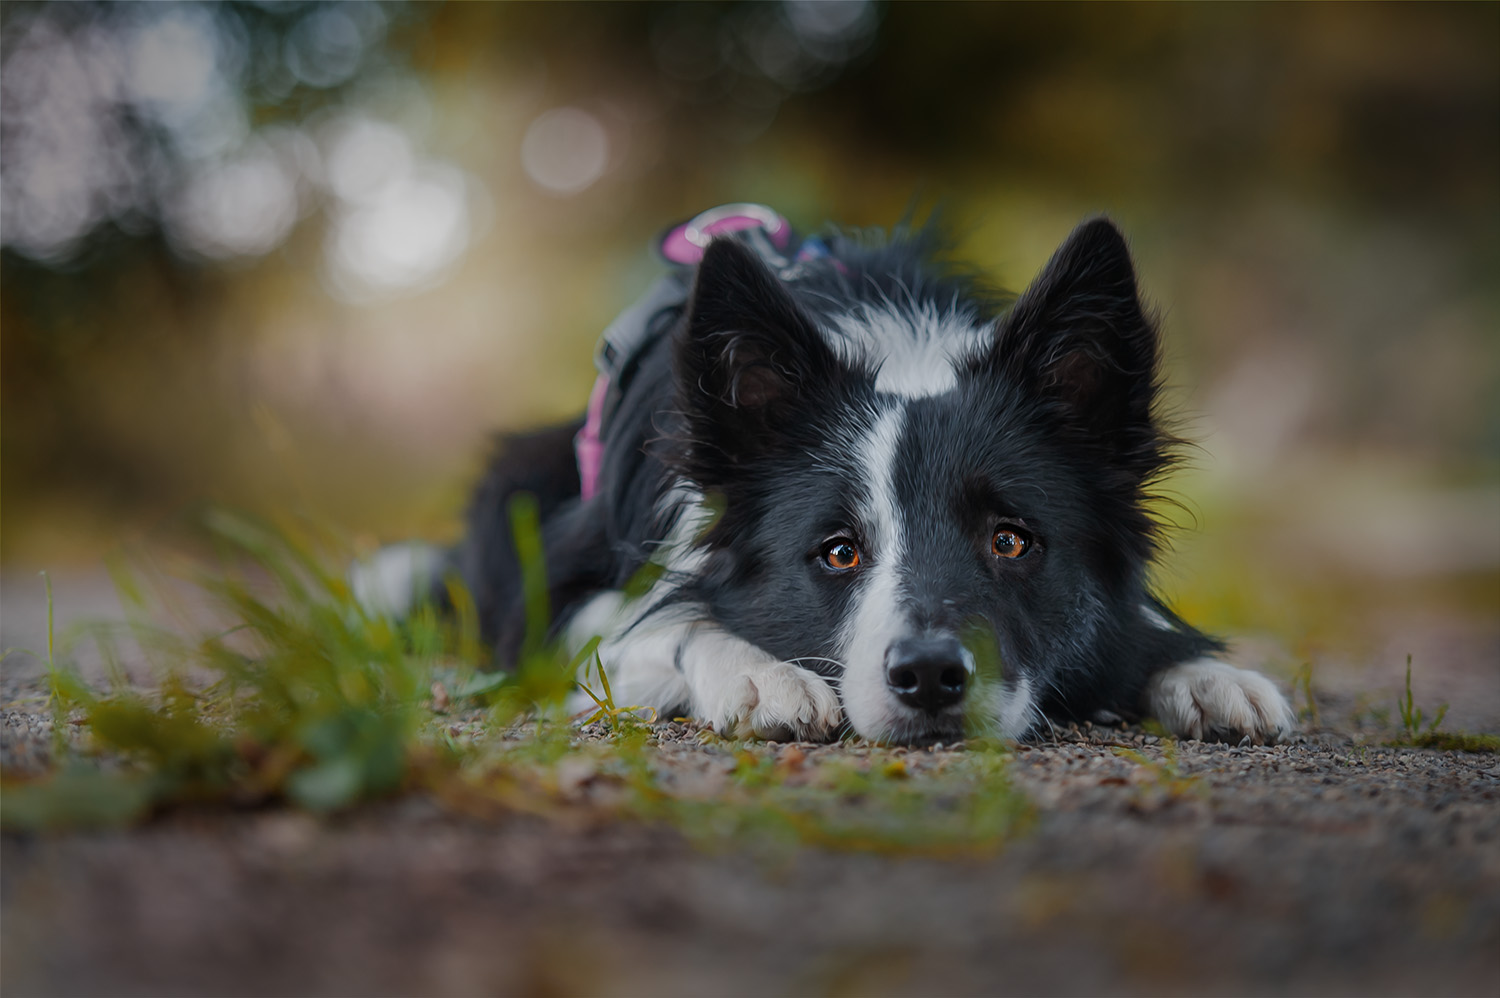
(927, 673)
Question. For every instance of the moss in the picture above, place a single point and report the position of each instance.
(1457, 741)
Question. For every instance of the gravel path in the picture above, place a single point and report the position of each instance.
(1317, 866)
(1329, 865)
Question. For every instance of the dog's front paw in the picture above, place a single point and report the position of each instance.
(780, 702)
(1209, 699)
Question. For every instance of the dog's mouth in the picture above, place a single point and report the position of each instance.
(921, 729)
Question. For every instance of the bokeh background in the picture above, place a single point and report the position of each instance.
(306, 256)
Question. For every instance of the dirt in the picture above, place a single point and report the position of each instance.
(1331, 865)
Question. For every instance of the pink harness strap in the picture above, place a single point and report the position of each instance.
(587, 445)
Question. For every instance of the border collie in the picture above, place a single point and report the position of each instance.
(834, 485)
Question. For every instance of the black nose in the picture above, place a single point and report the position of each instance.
(927, 673)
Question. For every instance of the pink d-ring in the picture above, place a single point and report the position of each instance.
(685, 244)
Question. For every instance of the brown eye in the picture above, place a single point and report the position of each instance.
(841, 555)
(1009, 543)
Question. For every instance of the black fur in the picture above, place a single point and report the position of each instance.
(1052, 426)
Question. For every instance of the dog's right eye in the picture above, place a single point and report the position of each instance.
(841, 554)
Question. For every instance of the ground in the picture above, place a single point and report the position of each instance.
(1333, 864)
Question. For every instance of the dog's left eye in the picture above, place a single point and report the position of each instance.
(1010, 543)
(841, 554)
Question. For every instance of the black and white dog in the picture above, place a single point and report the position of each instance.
(865, 495)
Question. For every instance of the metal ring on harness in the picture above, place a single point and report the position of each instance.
(684, 244)
(717, 221)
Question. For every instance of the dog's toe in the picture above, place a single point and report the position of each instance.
(1207, 698)
(782, 702)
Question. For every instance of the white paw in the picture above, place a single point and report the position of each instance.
(1207, 698)
(781, 702)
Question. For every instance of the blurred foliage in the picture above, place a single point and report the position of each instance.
(294, 693)
(308, 700)
(305, 255)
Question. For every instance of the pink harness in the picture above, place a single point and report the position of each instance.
(683, 246)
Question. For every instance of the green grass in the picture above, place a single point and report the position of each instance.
(1421, 731)
(1412, 717)
(1302, 682)
(293, 695)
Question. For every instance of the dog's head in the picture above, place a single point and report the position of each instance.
(941, 512)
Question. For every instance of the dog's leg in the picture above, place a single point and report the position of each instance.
(1206, 698)
(638, 660)
(674, 662)
(395, 579)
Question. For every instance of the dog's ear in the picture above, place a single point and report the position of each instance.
(1080, 338)
(747, 360)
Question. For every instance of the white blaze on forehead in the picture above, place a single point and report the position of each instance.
(914, 350)
(878, 617)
